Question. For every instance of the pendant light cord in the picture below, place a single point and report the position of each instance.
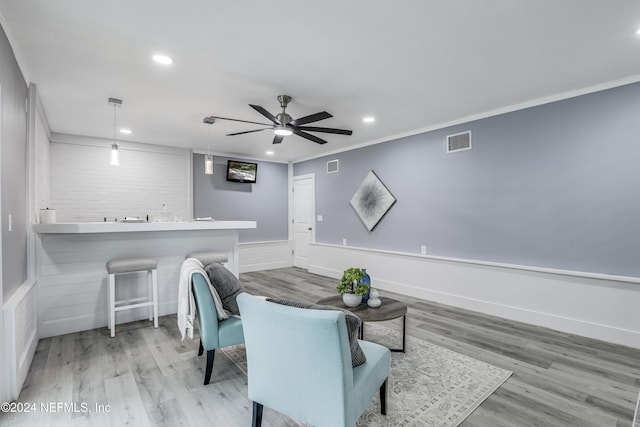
(114, 123)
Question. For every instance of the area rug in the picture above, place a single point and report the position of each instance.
(428, 386)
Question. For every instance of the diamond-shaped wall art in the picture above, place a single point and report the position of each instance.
(372, 200)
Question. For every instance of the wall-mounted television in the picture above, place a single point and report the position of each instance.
(241, 171)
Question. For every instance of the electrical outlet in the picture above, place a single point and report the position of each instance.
(423, 250)
(320, 218)
(344, 242)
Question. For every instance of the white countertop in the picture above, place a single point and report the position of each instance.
(124, 227)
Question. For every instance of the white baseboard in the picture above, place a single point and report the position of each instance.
(21, 335)
(67, 325)
(598, 308)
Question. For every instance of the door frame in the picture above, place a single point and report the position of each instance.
(311, 176)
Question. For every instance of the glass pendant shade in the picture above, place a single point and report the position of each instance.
(114, 158)
(208, 164)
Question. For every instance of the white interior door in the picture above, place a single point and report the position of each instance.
(303, 218)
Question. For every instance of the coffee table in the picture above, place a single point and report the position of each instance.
(389, 310)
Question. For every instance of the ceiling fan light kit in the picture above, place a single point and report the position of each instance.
(282, 124)
(282, 130)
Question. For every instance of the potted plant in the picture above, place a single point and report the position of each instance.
(351, 287)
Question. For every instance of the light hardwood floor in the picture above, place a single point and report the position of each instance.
(149, 377)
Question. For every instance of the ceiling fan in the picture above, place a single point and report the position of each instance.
(283, 124)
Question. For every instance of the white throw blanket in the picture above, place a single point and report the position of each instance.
(186, 302)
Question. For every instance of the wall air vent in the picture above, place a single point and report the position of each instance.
(333, 166)
(458, 142)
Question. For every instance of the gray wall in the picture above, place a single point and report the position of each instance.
(551, 186)
(264, 202)
(13, 170)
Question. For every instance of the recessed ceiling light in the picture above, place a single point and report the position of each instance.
(638, 32)
(369, 119)
(163, 59)
(126, 131)
(269, 153)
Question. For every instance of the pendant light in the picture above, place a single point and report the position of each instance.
(114, 156)
(208, 158)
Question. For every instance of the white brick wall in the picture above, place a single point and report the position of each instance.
(84, 187)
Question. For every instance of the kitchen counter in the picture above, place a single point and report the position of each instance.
(71, 259)
(124, 227)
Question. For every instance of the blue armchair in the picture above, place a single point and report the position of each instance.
(299, 363)
(214, 333)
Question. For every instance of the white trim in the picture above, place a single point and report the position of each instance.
(484, 115)
(189, 181)
(22, 302)
(124, 145)
(238, 156)
(592, 307)
(584, 274)
(14, 47)
(264, 242)
(31, 184)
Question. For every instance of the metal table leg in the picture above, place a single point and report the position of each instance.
(404, 334)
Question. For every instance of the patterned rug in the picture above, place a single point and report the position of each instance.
(428, 385)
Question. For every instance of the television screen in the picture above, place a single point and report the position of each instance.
(241, 171)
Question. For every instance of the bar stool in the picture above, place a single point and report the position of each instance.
(132, 265)
(209, 257)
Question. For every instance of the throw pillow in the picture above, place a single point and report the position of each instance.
(353, 325)
(226, 284)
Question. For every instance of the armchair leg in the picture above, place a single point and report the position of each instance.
(383, 398)
(201, 349)
(207, 373)
(257, 415)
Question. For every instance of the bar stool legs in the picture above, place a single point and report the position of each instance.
(154, 281)
(133, 265)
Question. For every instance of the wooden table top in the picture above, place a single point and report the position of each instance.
(390, 309)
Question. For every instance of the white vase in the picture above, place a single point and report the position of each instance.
(351, 300)
(374, 302)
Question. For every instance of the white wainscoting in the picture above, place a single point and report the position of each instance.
(21, 334)
(257, 256)
(591, 305)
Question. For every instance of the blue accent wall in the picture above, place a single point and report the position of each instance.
(557, 185)
(265, 201)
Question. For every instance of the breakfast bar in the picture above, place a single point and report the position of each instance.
(73, 281)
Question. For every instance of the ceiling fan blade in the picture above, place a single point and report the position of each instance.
(308, 136)
(311, 118)
(248, 131)
(278, 139)
(265, 113)
(241, 121)
(326, 130)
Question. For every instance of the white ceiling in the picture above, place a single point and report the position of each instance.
(413, 64)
